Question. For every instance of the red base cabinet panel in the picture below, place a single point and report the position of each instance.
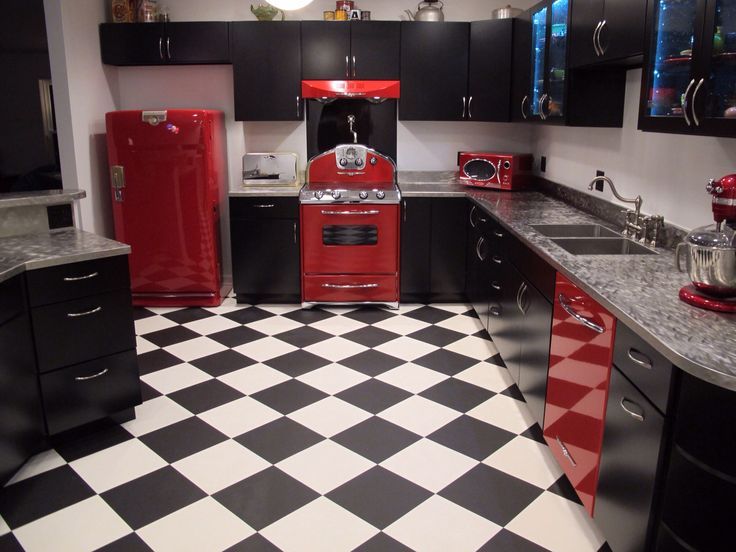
(581, 352)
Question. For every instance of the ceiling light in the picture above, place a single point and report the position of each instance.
(288, 5)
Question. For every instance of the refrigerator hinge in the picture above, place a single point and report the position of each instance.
(153, 117)
(118, 181)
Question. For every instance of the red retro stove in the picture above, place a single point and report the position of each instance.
(350, 229)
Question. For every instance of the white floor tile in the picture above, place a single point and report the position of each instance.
(4, 529)
(144, 346)
(87, 525)
(164, 310)
(155, 414)
(175, 378)
(333, 378)
(558, 525)
(319, 526)
(412, 377)
(429, 464)
(275, 325)
(254, 378)
(405, 308)
(195, 348)
(401, 325)
(116, 465)
(406, 348)
(438, 525)
(265, 349)
(325, 466)
(474, 347)
(457, 308)
(329, 416)
(419, 415)
(336, 349)
(220, 466)
(204, 525)
(280, 309)
(213, 324)
(338, 325)
(38, 464)
(504, 412)
(237, 417)
(462, 324)
(153, 324)
(488, 376)
(528, 460)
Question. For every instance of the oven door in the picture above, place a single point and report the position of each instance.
(350, 239)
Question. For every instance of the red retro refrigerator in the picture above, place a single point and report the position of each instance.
(167, 170)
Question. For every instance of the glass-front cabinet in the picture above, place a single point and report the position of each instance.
(689, 80)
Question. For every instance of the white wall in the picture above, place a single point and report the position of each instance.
(670, 171)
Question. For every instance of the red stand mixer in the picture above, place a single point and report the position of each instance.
(711, 253)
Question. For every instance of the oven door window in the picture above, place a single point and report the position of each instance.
(350, 234)
(479, 170)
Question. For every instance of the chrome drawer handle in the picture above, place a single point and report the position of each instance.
(78, 278)
(498, 234)
(350, 286)
(638, 417)
(347, 213)
(86, 313)
(496, 311)
(579, 317)
(496, 286)
(472, 210)
(265, 206)
(566, 453)
(496, 259)
(644, 362)
(93, 376)
(478, 245)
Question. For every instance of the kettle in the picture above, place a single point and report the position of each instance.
(428, 11)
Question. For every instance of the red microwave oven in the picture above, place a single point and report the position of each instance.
(500, 171)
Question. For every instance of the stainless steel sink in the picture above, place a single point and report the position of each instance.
(603, 246)
(575, 231)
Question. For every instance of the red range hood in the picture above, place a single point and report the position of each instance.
(370, 90)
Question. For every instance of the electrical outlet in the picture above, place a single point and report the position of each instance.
(599, 183)
(543, 164)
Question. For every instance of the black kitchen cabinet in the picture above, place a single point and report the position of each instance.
(689, 77)
(267, 80)
(607, 32)
(489, 84)
(185, 43)
(264, 233)
(434, 71)
(521, 67)
(505, 321)
(366, 50)
(416, 229)
(479, 277)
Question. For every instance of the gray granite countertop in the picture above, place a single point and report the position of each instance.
(42, 197)
(431, 184)
(265, 191)
(34, 251)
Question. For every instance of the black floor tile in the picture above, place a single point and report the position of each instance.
(535, 434)
(497, 360)
(431, 315)
(372, 363)
(472, 437)
(156, 360)
(129, 543)
(170, 336)
(370, 315)
(446, 362)
(296, 363)
(279, 439)
(235, 337)
(373, 396)
(92, 441)
(483, 334)
(222, 363)
(33, 498)
(153, 496)
(139, 313)
(248, 315)
(562, 487)
(514, 393)
(265, 497)
(309, 316)
(184, 316)
(255, 543)
(457, 394)
(471, 313)
(376, 439)
(382, 543)
(379, 496)
(506, 541)
(371, 336)
(8, 543)
(438, 336)
(205, 396)
(148, 392)
(491, 493)
(182, 439)
(289, 396)
(303, 337)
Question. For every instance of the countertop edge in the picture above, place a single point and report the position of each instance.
(77, 258)
(41, 199)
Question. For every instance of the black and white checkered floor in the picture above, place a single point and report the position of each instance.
(267, 428)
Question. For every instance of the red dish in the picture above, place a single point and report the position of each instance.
(693, 297)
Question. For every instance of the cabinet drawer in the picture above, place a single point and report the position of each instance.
(644, 366)
(90, 391)
(264, 207)
(351, 289)
(11, 298)
(84, 329)
(72, 281)
(533, 267)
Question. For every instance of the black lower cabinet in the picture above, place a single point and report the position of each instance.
(632, 441)
(505, 320)
(416, 229)
(479, 274)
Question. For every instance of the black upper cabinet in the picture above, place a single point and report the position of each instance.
(163, 44)
(521, 67)
(434, 71)
(606, 31)
(367, 50)
(489, 85)
(267, 80)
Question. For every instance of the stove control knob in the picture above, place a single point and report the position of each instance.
(374, 161)
(363, 195)
(358, 162)
(343, 162)
(506, 165)
(319, 194)
(336, 194)
(380, 194)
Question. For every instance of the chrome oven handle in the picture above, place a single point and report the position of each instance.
(86, 313)
(348, 213)
(93, 376)
(350, 286)
(78, 278)
(564, 303)
(685, 103)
